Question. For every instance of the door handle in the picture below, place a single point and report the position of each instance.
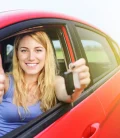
(91, 130)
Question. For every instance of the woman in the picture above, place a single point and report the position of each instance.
(33, 85)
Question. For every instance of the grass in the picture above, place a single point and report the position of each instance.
(59, 55)
(96, 56)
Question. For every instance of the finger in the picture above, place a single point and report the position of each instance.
(2, 87)
(83, 68)
(2, 78)
(1, 68)
(77, 63)
(84, 75)
(85, 82)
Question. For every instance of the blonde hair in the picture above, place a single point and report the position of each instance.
(46, 77)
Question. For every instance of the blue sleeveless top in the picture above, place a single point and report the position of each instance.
(9, 117)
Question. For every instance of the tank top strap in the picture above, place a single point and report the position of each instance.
(10, 91)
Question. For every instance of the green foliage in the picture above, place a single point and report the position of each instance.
(97, 56)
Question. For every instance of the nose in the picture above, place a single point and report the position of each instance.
(31, 56)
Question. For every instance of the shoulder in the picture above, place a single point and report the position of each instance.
(59, 79)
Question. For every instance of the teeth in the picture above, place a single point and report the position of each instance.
(31, 65)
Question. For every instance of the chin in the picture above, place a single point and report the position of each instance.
(32, 72)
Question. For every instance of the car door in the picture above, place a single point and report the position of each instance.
(111, 125)
(103, 57)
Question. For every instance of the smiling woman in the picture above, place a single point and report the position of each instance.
(33, 86)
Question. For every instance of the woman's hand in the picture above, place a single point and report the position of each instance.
(84, 79)
(83, 72)
(83, 75)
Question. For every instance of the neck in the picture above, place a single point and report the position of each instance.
(31, 78)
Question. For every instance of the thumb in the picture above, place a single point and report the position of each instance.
(1, 68)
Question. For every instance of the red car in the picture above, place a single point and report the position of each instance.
(96, 114)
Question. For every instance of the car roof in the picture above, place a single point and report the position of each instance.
(11, 17)
(14, 16)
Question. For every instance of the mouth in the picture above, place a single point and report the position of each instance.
(31, 64)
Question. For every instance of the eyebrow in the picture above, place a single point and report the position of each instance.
(39, 47)
(35, 47)
(23, 47)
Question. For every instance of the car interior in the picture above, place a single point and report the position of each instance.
(7, 46)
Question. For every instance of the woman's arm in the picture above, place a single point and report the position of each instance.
(84, 77)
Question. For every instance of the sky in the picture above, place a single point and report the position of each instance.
(103, 14)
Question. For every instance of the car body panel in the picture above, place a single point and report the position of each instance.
(111, 126)
(89, 112)
(21, 15)
(110, 91)
(75, 122)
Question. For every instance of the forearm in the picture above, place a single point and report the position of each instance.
(62, 94)
(74, 96)
(61, 91)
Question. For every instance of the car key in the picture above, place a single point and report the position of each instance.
(71, 81)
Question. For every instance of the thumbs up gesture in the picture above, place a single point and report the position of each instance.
(2, 80)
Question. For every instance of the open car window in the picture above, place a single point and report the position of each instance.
(59, 48)
(63, 52)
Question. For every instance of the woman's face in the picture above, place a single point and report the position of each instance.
(31, 55)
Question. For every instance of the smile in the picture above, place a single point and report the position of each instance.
(31, 65)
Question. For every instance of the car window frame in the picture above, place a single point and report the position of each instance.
(80, 52)
(115, 48)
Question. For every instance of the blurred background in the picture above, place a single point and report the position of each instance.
(103, 14)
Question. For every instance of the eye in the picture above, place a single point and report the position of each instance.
(23, 50)
(38, 50)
